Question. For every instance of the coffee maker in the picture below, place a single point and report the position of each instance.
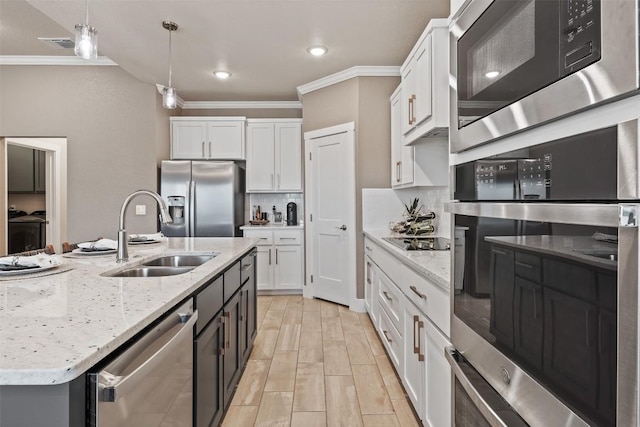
(292, 213)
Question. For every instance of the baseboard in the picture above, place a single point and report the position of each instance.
(267, 292)
(358, 306)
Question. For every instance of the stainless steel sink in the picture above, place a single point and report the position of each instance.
(151, 271)
(180, 260)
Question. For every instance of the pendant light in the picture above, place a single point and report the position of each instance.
(86, 39)
(169, 96)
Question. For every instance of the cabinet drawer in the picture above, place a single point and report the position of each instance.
(391, 338)
(428, 297)
(528, 266)
(387, 263)
(247, 266)
(390, 299)
(232, 280)
(287, 237)
(265, 237)
(208, 303)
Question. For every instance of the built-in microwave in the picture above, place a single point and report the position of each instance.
(517, 64)
(545, 305)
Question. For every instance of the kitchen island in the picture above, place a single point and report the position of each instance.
(55, 327)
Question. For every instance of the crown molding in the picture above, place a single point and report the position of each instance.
(52, 60)
(349, 73)
(223, 105)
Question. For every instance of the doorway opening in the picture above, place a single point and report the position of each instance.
(52, 154)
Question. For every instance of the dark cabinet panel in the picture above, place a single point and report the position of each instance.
(25, 169)
(502, 285)
(571, 344)
(570, 278)
(607, 343)
(529, 321)
(248, 315)
(231, 361)
(208, 399)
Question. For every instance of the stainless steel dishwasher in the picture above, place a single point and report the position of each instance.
(150, 383)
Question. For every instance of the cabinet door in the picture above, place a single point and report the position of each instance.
(396, 141)
(208, 348)
(288, 267)
(20, 169)
(528, 323)
(368, 283)
(407, 98)
(248, 324)
(39, 171)
(501, 275)
(607, 331)
(288, 167)
(414, 365)
(422, 103)
(570, 345)
(226, 140)
(232, 361)
(260, 157)
(437, 396)
(189, 139)
(264, 269)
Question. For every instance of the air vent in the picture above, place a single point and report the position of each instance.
(58, 43)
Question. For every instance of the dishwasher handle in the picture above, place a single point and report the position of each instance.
(111, 386)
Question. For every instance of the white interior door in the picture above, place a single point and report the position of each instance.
(331, 190)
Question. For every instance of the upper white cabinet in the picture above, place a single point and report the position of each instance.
(274, 155)
(402, 156)
(216, 138)
(424, 101)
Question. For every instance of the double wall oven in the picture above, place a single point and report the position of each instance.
(520, 63)
(545, 312)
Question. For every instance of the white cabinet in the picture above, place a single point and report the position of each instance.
(280, 258)
(274, 150)
(204, 138)
(424, 101)
(402, 156)
(412, 314)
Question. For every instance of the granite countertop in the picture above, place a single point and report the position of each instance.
(433, 265)
(577, 248)
(272, 226)
(55, 327)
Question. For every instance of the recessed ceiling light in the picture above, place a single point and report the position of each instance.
(492, 74)
(317, 50)
(222, 74)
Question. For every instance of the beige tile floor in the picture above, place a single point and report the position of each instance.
(315, 363)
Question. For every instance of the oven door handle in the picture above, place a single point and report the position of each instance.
(485, 409)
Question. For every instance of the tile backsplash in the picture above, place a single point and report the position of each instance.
(266, 201)
(380, 206)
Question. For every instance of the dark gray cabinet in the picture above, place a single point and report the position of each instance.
(25, 169)
(502, 287)
(528, 321)
(225, 332)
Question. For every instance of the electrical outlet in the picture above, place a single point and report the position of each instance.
(141, 209)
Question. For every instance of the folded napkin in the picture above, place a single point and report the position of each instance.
(145, 237)
(39, 260)
(99, 245)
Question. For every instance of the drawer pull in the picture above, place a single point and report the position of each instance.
(522, 264)
(263, 238)
(287, 238)
(246, 267)
(386, 295)
(367, 248)
(386, 335)
(417, 292)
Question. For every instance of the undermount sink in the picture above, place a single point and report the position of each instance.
(179, 260)
(150, 271)
(611, 255)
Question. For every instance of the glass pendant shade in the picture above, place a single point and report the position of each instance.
(169, 98)
(86, 41)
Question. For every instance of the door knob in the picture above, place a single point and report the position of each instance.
(342, 227)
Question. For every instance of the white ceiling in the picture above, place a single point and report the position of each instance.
(261, 42)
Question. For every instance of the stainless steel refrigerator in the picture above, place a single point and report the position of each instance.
(205, 198)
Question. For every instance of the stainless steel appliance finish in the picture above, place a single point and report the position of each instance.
(614, 75)
(607, 337)
(420, 243)
(292, 213)
(205, 198)
(150, 383)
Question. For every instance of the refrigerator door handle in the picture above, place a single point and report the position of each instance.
(192, 209)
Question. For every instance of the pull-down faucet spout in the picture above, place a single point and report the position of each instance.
(165, 218)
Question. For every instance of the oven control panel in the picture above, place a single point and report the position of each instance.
(580, 38)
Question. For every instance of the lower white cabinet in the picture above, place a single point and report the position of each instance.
(408, 312)
(280, 258)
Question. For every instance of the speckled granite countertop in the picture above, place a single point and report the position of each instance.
(583, 249)
(434, 265)
(53, 328)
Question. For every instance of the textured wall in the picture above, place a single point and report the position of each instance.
(113, 128)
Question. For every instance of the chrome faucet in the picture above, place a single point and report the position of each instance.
(165, 218)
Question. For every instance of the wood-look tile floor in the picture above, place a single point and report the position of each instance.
(315, 363)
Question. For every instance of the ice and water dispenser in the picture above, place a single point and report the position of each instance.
(176, 209)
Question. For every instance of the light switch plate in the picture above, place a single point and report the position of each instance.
(141, 209)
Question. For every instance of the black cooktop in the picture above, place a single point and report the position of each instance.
(420, 243)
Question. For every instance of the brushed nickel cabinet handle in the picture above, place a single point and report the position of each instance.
(386, 335)
(416, 348)
(386, 295)
(420, 355)
(417, 292)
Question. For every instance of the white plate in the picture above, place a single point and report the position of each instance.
(79, 251)
(27, 270)
(143, 242)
